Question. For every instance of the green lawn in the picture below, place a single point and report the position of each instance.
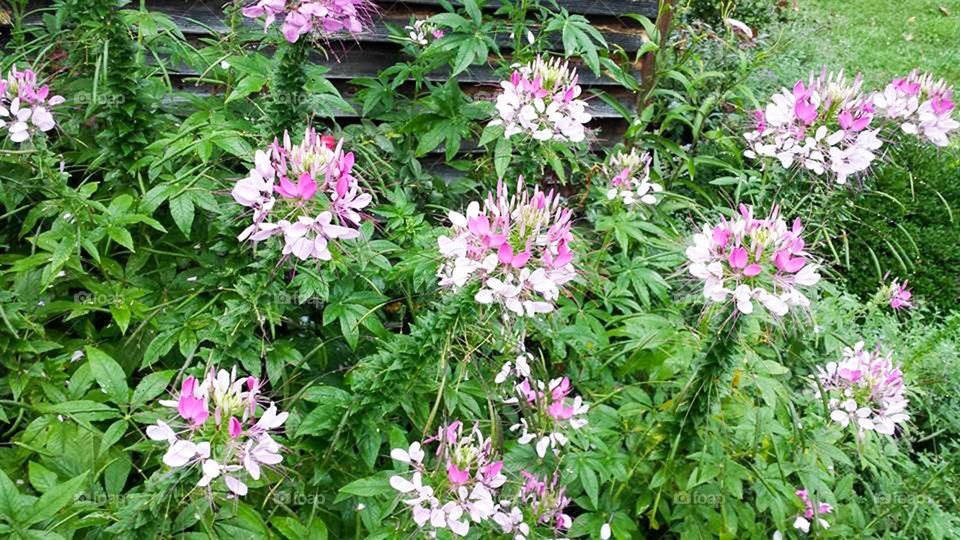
(880, 38)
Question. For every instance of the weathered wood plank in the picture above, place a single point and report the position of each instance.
(613, 8)
(357, 60)
(200, 19)
(179, 103)
(647, 8)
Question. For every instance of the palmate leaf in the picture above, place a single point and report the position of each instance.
(54, 499)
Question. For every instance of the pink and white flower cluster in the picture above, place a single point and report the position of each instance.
(516, 247)
(548, 413)
(899, 295)
(459, 489)
(750, 259)
(922, 106)
(630, 178)
(545, 502)
(540, 99)
(803, 520)
(310, 191)
(235, 439)
(823, 126)
(421, 32)
(865, 388)
(322, 18)
(25, 106)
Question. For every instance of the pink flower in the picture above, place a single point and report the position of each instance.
(24, 108)
(309, 223)
(865, 388)
(455, 475)
(542, 112)
(322, 18)
(802, 520)
(304, 189)
(554, 414)
(190, 407)
(919, 106)
(233, 399)
(235, 428)
(458, 489)
(749, 259)
(516, 247)
(821, 127)
(900, 295)
(632, 183)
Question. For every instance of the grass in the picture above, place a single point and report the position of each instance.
(880, 38)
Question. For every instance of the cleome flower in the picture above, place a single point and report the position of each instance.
(899, 295)
(24, 106)
(540, 100)
(750, 259)
(233, 442)
(922, 106)
(310, 191)
(516, 247)
(822, 126)
(459, 488)
(319, 18)
(865, 388)
(547, 413)
(421, 32)
(630, 178)
(802, 522)
(544, 500)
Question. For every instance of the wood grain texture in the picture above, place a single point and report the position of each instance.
(202, 19)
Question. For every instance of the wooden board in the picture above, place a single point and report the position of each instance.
(613, 8)
(201, 19)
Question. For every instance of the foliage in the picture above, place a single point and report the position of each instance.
(624, 405)
(916, 228)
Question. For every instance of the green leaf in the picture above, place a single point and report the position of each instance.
(233, 143)
(293, 529)
(590, 484)
(473, 10)
(109, 375)
(449, 19)
(430, 140)
(75, 407)
(54, 499)
(112, 435)
(465, 57)
(245, 87)
(150, 387)
(41, 478)
(160, 346)
(371, 486)
(121, 236)
(501, 156)
(325, 417)
(155, 197)
(181, 208)
(490, 133)
(121, 316)
(12, 504)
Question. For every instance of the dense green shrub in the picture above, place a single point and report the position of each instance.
(572, 364)
(914, 231)
(754, 13)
